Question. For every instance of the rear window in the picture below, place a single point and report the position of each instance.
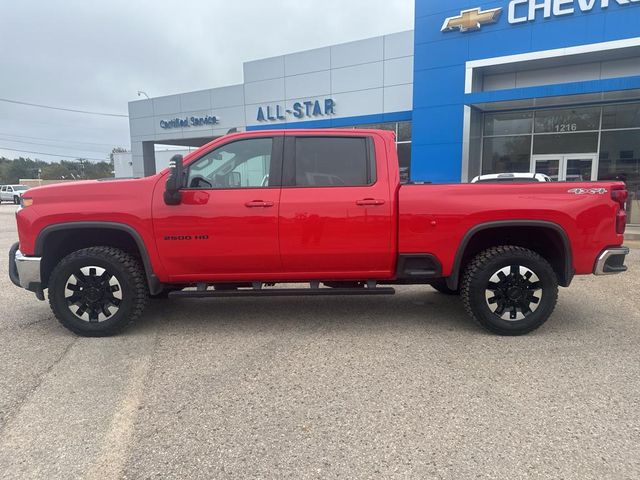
(333, 162)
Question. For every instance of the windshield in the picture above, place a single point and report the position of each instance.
(18, 188)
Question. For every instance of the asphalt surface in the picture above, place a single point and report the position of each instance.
(346, 387)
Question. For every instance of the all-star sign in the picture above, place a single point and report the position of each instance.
(521, 11)
(309, 108)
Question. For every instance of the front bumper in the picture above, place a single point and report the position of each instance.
(25, 271)
(611, 261)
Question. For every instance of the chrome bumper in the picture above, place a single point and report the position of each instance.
(24, 271)
(611, 261)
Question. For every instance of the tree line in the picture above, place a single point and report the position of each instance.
(12, 170)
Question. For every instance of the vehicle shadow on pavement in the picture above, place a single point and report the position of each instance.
(423, 309)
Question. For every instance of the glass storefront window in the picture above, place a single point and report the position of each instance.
(621, 116)
(508, 123)
(378, 126)
(579, 170)
(506, 154)
(567, 120)
(620, 160)
(550, 168)
(565, 143)
(404, 131)
(404, 158)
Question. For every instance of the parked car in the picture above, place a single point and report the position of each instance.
(12, 193)
(511, 177)
(332, 214)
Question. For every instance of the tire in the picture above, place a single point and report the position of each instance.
(16, 200)
(518, 300)
(441, 286)
(98, 291)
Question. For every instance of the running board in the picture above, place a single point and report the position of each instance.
(281, 292)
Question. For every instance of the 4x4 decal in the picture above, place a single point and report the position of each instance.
(588, 191)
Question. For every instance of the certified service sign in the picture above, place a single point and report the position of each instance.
(189, 122)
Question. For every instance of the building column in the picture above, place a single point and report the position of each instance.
(149, 158)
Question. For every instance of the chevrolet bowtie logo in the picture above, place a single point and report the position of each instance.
(471, 19)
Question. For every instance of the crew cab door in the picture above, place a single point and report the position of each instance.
(226, 226)
(335, 207)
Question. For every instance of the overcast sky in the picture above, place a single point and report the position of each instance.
(95, 55)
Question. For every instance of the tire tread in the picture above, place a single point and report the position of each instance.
(475, 266)
(132, 267)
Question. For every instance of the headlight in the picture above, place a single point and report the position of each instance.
(26, 201)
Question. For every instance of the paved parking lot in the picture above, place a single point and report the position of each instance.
(390, 387)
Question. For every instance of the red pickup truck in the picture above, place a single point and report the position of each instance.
(321, 207)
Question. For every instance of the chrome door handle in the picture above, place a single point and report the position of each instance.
(258, 204)
(369, 202)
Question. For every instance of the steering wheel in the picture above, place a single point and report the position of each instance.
(198, 181)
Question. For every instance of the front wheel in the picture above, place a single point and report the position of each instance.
(16, 200)
(97, 291)
(509, 290)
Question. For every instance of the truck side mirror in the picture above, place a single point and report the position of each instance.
(172, 193)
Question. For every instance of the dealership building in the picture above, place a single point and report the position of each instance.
(548, 86)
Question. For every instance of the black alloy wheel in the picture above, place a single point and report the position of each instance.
(509, 290)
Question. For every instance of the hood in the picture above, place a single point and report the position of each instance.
(93, 189)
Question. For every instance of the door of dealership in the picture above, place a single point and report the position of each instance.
(567, 168)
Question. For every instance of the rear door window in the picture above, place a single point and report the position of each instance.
(333, 162)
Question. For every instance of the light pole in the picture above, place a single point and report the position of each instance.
(140, 93)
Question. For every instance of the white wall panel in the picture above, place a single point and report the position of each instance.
(200, 100)
(398, 45)
(398, 98)
(142, 126)
(264, 91)
(501, 81)
(363, 102)
(310, 84)
(141, 108)
(355, 53)
(166, 105)
(231, 96)
(360, 77)
(565, 74)
(308, 61)
(264, 69)
(230, 117)
(620, 68)
(398, 71)
(138, 165)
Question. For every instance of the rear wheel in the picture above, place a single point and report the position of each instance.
(97, 291)
(509, 290)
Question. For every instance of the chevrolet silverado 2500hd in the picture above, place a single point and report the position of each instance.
(325, 207)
